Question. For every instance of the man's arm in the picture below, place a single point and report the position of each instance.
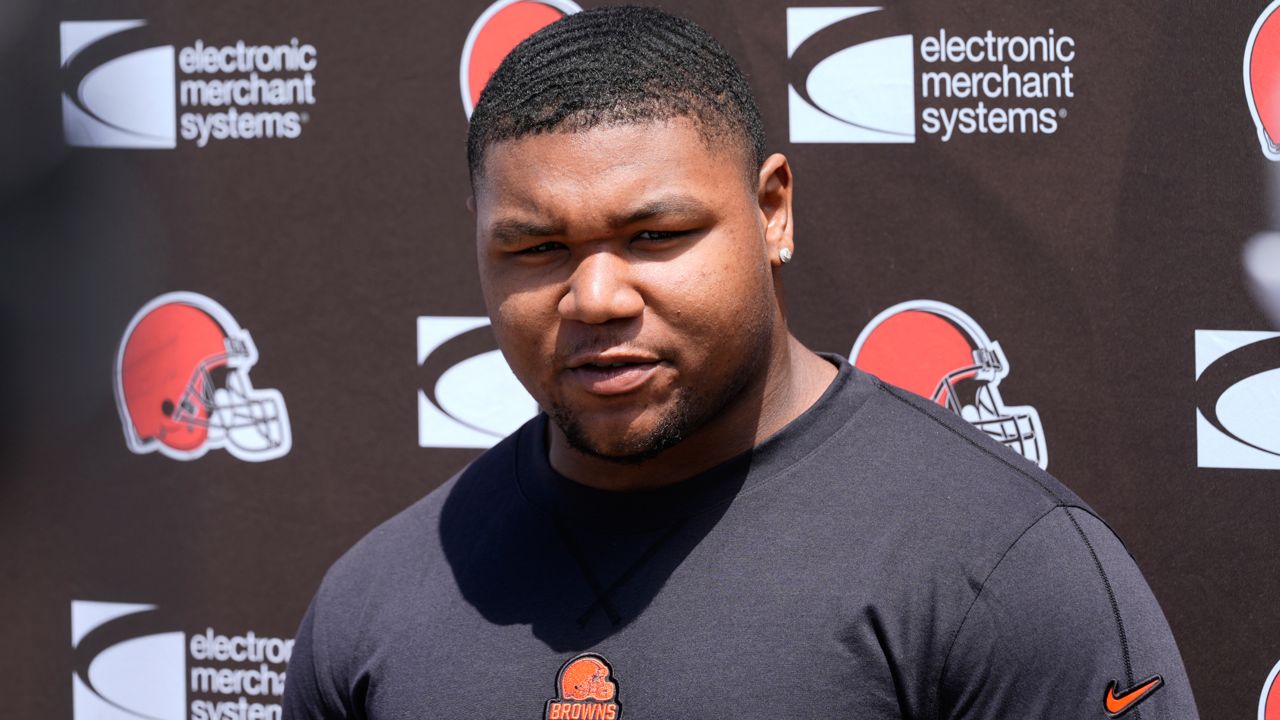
(1065, 627)
(309, 693)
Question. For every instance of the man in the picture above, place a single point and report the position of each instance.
(709, 520)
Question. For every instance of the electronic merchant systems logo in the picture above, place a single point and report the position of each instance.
(182, 384)
(1237, 395)
(469, 397)
(496, 33)
(134, 662)
(123, 89)
(1262, 78)
(865, 75)
(938, 352)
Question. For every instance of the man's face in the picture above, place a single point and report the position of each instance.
(628, 278)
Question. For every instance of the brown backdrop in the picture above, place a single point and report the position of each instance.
(1093, 254)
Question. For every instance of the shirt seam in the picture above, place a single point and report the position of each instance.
(951, 646)
(1066, 509)
(1115, 608)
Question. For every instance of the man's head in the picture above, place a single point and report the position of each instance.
(617, 65)
(629, 272)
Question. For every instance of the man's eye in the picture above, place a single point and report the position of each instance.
(659, 234)
(539, 249)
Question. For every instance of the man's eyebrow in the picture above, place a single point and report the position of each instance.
(511, 230)
(670, 205)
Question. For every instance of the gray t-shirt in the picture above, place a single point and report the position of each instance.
(877, 558)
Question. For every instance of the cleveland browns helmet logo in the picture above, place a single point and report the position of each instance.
(497, 31)
(1262, 79)
(585, 690)
(182, 384)
(1269, 700)
(938, 352)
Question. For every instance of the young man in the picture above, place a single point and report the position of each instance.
(709, 520)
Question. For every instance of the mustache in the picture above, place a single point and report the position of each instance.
(611, 341)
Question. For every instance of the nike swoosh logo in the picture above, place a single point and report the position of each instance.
(1119, 704)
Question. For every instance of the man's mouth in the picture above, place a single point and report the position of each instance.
(612, 374)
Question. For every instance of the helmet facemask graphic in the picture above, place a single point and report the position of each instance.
(183, 387)
(940, 353)
(973, 394)
(220, 398)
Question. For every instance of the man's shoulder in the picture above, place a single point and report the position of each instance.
(926, 482)
(918, 440)
(412, 537)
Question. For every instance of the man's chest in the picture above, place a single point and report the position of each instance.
(702, 640)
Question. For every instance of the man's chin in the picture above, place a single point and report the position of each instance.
(617, 456)
(626, 444)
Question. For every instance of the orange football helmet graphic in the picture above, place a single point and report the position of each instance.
(182, 384)
(586, 678)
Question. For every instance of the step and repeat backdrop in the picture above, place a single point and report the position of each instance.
(242, 322)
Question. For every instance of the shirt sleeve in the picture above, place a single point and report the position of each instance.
(309, 693)
(1065, 627)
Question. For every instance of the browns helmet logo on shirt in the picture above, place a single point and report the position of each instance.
(938, 352)
(585, 690)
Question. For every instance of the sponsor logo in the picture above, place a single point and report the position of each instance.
(469, 396)
(1119, 703)
(585, 690)
(497, 31)
(116, 94)
(854, 79)
(1269, 700)
(1238, 399)
(182, 384)
(861, 93)
(938, 352)
(122, 89)
(1262, 79)
(133, 662)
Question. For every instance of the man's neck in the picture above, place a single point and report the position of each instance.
(793, 381)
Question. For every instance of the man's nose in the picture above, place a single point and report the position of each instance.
(601, 290)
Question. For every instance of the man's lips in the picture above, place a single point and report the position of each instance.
(611, 373)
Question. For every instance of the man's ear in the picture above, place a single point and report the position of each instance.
(471, 204)
(773, 193)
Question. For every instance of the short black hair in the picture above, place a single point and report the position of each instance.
(617, 65)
